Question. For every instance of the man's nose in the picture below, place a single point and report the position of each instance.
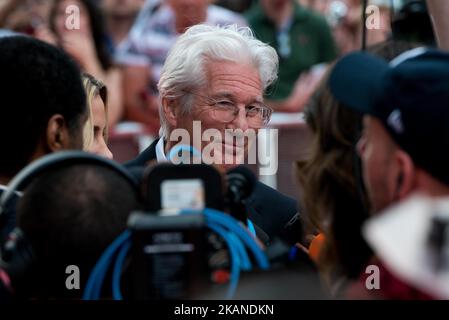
(240, 121)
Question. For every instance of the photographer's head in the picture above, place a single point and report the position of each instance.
(43, 102)
(216, 76)
(406, 122)
(69, 215)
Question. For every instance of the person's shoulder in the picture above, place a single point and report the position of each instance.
(144, 157)
(275, 213)
(273, 197)
(217, 15)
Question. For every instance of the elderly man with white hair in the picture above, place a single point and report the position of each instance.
(213, 81)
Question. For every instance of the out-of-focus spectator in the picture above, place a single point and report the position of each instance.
(302, 39)
(345, 18)
(333, 195)
(139, 104)
(96, 128)
(120, 16)
(26, 16)
(405, 124)
(407, 20)
(86, 42)
(320, 6)
(157, 27)
(160, 25)
(332, 200)
(239, 6)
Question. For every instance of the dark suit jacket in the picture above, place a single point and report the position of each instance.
(267, 208)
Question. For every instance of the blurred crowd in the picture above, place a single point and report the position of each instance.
(124, 43)
(377, 117)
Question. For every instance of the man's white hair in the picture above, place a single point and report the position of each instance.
(184, 68)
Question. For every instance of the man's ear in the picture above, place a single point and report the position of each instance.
(405, 179)
(169, 107)
(57, 133)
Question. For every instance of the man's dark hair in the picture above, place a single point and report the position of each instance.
(69, 216)
(37, 81)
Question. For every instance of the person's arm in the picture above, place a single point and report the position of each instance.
(439, 11)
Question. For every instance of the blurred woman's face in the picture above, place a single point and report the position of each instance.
(71, 15)
(99, 145)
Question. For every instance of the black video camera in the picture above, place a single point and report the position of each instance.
(176, 250)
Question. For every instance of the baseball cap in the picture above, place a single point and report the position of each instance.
(409, 95)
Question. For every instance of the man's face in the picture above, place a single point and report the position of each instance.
(376, 150)
(230, 83)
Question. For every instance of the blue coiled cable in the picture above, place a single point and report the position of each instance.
(229, 229)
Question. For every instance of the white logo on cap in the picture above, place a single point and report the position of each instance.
(408, 55)
(395, 121)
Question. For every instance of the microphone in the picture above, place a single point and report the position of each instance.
(240, 185)
(241, 182)
(262, 236)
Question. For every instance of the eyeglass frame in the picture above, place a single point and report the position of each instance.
(213, 103)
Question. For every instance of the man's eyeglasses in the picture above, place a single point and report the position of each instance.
(225, 110)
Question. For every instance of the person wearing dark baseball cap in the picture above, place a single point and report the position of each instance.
(405, 143)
